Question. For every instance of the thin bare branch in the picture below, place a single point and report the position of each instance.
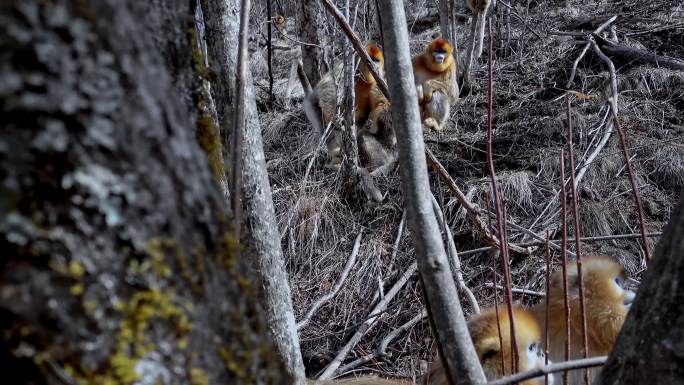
(377, 311)
(553, 368)
(381, 351)
(453, 254)
(498, 203)
(336, 287)
(578, 243)
(360, 49)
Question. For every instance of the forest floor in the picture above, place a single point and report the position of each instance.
(532, 65)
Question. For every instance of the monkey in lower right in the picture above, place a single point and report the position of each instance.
(495, 353)
(607, 300)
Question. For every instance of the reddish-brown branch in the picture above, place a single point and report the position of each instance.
(578, 242)
(547, 310)
(564, 257)
(501, 221)
(498, 324)
(635, 188)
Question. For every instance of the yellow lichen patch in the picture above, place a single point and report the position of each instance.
(198, 377)
(156, 249)
(76, 269)
(144, 309)
(76, 289)
(232, 363)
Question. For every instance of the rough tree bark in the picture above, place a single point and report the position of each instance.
(260, 229)
(446, 20)
(445, 309)
(309, 23)
(117, 267)
(650, 348)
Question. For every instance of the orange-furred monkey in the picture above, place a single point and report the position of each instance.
(607, 300)
(320, 104)
(484, 331)
(434, 72)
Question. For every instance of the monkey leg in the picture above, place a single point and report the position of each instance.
(373, 153)
(437, 111)
(334, 144)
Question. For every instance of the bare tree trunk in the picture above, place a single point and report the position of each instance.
(260, 229)
(649, 348)
(309, 24)
(115, 267)
(445, 309)
(350, 150)
(446, 20)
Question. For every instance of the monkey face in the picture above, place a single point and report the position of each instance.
(494, 352)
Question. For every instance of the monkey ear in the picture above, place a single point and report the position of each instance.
(489, 347)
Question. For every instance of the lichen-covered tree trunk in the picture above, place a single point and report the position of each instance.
(309, 24)
(116, 264)
(650, 348)
(261, 237)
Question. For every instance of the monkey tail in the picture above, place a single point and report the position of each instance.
(313, 111)
(480, 33)
(306, 85)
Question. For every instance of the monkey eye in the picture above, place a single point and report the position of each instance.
(532, 347)
(375, 59)
(618, 281)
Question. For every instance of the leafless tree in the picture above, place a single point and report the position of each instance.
(260, 229)
(463, 366)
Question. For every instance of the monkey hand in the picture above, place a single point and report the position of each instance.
(419, 91)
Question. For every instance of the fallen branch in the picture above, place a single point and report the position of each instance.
(453, 254)
(382, 349)
(583, 239)
(639, 56)
(336, 287)
(548, 369)
(331, 369)
(472, 209)
(516, 290)
(586, 48)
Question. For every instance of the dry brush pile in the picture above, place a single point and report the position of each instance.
(535, 44)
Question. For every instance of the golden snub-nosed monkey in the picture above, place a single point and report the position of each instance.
(484, 330)
(607, 301)
(320, 104)
(434, 72)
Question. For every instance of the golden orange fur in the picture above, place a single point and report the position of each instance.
(320, 104)
(484, 331)
(434, 72)
(607, 302)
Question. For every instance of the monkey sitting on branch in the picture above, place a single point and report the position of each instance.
(434, 72)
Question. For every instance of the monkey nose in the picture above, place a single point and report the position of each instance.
(439, 58)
